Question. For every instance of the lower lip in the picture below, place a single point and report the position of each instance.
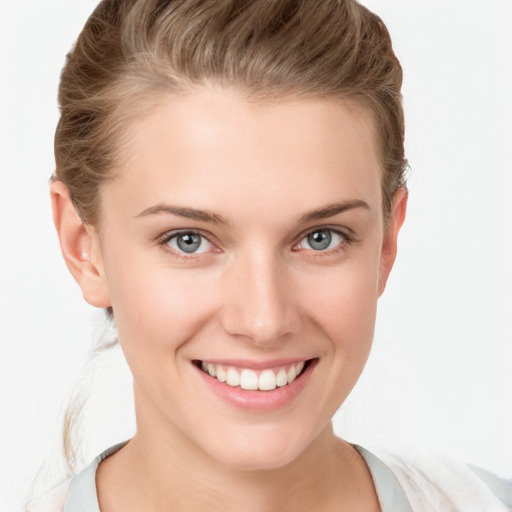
(259, 400)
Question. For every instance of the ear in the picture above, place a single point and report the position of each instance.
(80, 247)
(389, 244)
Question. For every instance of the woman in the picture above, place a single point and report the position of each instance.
(230, 188)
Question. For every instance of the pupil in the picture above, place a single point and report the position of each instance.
(189, 242)
(320, 240)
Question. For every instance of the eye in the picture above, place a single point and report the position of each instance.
(322, 240)
(189, 242)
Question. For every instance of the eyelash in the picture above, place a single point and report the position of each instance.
(346, 236)
(164, 240)
(346, 239)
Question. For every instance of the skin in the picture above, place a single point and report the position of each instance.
(256, 291)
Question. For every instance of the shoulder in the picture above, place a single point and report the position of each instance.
(76, 494)
(51, 501)
(433, 482)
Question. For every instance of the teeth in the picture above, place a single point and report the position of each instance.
(248, 380)
(221, 374)
(233, 378)
(292, 373)
(267, 380)
(281, 379)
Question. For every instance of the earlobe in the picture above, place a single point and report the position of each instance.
(389, 246)
(80, 248)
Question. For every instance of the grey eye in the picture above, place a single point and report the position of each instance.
(189, 242)
(321, 239)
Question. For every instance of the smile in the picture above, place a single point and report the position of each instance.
(264, 380)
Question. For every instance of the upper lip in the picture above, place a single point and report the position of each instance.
(256, 365)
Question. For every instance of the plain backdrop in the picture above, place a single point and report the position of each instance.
(440, 375)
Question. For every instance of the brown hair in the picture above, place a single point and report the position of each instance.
(131, 52)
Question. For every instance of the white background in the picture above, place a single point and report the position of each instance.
(440, 375)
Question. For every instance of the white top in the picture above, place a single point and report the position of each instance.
(403, 484)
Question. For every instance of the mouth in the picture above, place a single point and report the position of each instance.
(264, 379)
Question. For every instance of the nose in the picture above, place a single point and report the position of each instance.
(261, 304)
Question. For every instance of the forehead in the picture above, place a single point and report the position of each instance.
(215, 142)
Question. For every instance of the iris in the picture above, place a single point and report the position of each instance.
(188, 242)
(320, 240)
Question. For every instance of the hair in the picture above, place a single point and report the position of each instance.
(132, 53)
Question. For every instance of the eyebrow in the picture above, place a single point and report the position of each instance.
(333, 209)
(214, 218)
(189, 213)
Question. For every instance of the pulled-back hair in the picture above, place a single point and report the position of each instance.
(133, 52)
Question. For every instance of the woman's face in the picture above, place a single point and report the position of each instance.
(245, 240)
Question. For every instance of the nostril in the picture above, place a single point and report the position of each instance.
(265, 331)
(261, 304)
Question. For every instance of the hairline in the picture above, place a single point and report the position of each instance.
(147, 100)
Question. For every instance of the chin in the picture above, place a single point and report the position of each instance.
(265, 452)
(259, 461)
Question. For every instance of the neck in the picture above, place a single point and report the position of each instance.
(328, 475)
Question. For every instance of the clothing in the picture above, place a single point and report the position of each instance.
(403, 484)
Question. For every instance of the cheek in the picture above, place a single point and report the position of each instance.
(345, 303)
(158, 313)
(350, 325)
(157, 306)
